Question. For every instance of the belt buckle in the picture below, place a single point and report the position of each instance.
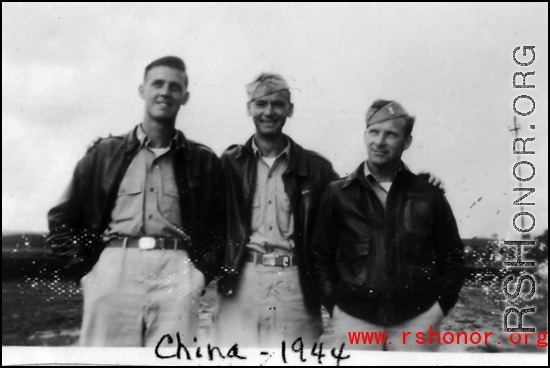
(286, 261)
(146, 243)
(269, 260)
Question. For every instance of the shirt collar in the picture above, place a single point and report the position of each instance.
(144, 139)
(257, 152)
(369, 174)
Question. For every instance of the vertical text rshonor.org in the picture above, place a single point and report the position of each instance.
(520, 148)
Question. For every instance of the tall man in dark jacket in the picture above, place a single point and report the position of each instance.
(268, 292)
(388, 254)
(144, 220)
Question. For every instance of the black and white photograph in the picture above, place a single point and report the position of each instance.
(275, 183)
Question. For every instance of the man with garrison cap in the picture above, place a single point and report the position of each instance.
(388, 255)
(268, 292)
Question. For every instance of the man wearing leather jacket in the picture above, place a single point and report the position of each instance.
(143, 221)
(268, 292)
(388, 256)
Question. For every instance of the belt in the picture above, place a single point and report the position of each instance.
(148, 243)
(271, 259)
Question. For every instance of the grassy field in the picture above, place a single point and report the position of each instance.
(42, 307)
(38, 312)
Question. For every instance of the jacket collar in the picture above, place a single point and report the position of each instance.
(297, 162)
(131, 142)
(257, 152)
(359, 174)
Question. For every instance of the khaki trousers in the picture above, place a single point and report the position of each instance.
(267, 308)
(133, 297)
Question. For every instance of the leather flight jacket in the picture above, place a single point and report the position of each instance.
(387, 265)
(305, 178)
(78, 222)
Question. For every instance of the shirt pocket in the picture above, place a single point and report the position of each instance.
(169, 203)
(257, 219)
(129, 201)
(256, 200)
(284, 214)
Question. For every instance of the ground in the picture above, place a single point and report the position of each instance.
(38, 311)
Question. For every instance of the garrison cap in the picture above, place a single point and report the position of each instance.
(265, 84)
(391, 110)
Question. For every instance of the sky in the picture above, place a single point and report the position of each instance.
(71, 72)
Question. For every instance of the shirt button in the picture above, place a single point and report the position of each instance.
(152, 189)
(269, 176)
(150, 216)
(271, 228)
(269, 202)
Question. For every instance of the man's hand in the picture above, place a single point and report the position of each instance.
(434, 180)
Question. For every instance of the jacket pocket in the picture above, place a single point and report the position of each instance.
(418, 215)
(354, 263)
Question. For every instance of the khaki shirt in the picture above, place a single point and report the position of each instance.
(380, 188)
(272, 220)
(148, 200)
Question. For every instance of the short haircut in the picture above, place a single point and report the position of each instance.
(409, 120)
(173, 62)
